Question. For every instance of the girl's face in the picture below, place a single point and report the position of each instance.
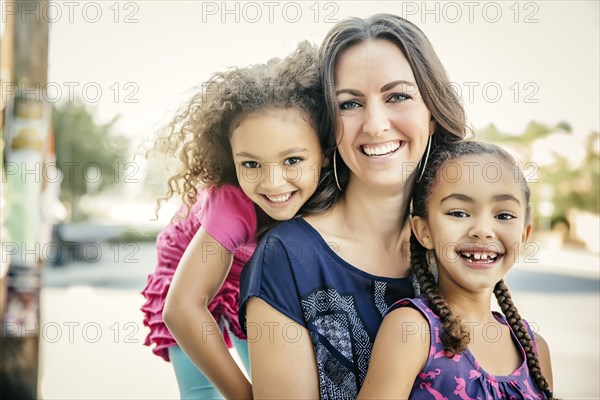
(476, 222)
(278, 160)
(384, 123)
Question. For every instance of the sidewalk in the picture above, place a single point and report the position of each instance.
(92, 335)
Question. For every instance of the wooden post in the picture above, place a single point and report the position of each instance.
(27, 125)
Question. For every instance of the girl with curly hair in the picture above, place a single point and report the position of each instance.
(471, 214)
(251, 155)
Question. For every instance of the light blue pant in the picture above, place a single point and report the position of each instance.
(191, 381)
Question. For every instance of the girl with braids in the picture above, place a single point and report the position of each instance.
(251, 155)
(470, 216)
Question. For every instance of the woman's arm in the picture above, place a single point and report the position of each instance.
(282, 358)
(544, 358)
(399, 354)
(199, 276)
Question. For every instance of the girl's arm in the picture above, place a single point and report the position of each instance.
(399, 354)
(282, 358)
(199, 276)
(544, 358)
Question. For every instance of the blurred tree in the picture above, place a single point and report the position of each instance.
(523, 141)
(577, 188)
(90, 156)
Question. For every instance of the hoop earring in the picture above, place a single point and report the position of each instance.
(424, 165)
(337, 182)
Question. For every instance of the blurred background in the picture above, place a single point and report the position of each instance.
(84, 84)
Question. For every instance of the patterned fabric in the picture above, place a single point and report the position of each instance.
(297, 273)
(461, 377)
(229, 217)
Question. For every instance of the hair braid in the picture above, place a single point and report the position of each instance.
(514, 319)
(455, 336)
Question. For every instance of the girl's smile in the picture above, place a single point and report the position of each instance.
(479, 257)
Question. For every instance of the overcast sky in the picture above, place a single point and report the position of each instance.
(512, 62)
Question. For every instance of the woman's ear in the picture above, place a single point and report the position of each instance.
(421, 230)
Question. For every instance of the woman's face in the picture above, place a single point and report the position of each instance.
(384, 123)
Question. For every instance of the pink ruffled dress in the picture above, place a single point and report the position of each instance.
(227, 215)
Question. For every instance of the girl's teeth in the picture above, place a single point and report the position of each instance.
(381, 150)
(480, 256)
(279, 199)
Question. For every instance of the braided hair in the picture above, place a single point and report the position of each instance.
(455, 336)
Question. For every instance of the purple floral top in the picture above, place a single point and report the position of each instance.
(461, 377)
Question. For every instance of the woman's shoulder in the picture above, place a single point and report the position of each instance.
(294, 229)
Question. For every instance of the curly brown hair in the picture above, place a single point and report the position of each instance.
(199, 133)
(455, 336)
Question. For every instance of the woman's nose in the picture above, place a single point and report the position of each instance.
(376, 120)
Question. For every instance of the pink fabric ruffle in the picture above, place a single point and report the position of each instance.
(155, 293)
(223, 307)
(170, 246)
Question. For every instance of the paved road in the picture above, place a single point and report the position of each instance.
(92, 332)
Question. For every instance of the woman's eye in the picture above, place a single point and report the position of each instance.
(457, 214)
(250, 164)
(349, 105)
(505, 216)
(292, 160)
(398, 98)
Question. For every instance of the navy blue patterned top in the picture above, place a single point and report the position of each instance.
(296, 272)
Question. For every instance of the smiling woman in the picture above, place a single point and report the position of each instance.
(384, 122)
(328, 277)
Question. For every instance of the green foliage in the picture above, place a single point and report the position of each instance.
(533, 132)
(574, 188)
(89, 154)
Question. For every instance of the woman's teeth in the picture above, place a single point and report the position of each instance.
(380, 150)
(279, 199)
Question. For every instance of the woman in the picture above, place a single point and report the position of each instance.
(317, 288)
